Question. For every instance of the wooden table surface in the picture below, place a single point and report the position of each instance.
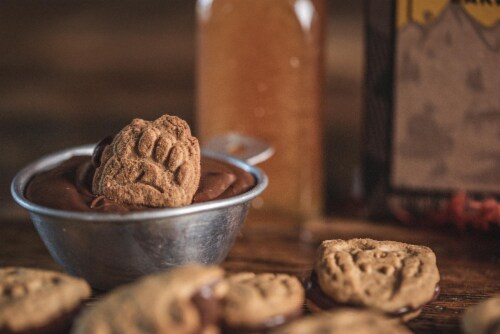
(469, 264)
(52, 91)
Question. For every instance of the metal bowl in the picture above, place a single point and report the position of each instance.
(108, 249)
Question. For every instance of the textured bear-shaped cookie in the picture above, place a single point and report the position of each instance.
(152, 164)
(389, 276)
(260, 301)
(39, 301)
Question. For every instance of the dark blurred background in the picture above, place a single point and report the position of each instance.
(72, 72)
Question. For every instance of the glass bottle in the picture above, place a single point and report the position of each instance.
(260, 73)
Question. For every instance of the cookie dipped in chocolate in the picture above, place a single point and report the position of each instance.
(150, 163)
(68, 185)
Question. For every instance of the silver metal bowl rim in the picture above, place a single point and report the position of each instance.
(22, 179)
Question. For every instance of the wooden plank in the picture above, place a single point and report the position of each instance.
(469, 264)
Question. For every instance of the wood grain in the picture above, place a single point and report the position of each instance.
(469, 264)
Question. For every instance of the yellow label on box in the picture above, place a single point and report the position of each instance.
(485, 12)
(446, 125)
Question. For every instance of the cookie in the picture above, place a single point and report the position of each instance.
(345, 321)
(391, 277)
(182, 300)
(39, 301)
(153, 164)
(261, 301)
(484, 318)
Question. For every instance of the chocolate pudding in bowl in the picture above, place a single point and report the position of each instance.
(109, 242)
(68, 186)
(112, 247)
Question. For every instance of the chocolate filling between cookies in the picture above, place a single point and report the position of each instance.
(318, 297)
(208, 305)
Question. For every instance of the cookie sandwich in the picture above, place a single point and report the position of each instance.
(183, 300)
(394, 278)
(259, 302)
(39, 301)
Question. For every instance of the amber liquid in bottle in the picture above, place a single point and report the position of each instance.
(259, 73)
